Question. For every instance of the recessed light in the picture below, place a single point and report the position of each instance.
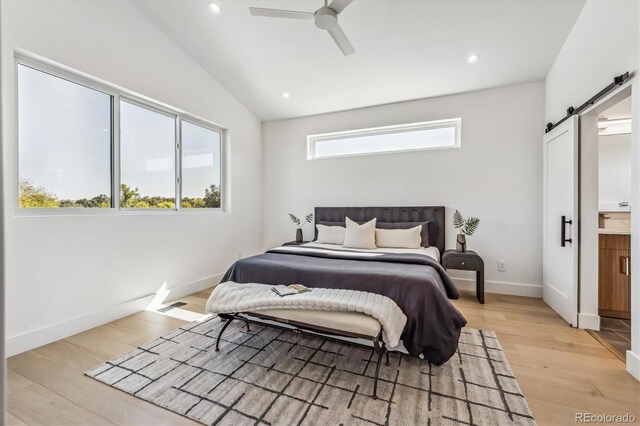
(285, 95)
(214, 7)
(473, 59)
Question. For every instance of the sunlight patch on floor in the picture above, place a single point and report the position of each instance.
(159, 298)
(182, 314)
(185, 315)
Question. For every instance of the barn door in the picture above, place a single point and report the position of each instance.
(560, 220)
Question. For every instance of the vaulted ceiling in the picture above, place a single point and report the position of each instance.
(405, 49)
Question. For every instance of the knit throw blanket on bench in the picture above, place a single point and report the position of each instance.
(230, 297)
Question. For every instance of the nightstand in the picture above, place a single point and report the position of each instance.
(295, 243)
(467, 261)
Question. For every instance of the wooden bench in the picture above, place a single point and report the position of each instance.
(338, 324)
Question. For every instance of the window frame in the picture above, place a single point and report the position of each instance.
(456, 123)
(195, 122)
(81, 81)
(117, 94)
(176, 149)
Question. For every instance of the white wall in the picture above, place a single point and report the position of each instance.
(614, 170)
(67, 273)
(633, 356)
(3, 363)
(603, 43)
(496, 175)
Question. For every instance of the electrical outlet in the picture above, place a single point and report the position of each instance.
(501, 265)
(239, 255)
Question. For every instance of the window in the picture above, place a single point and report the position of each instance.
(200, 167)
(148, 158)
(429, 135)
(84, 143)
(64, 143)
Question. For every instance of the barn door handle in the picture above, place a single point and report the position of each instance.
(563, 231)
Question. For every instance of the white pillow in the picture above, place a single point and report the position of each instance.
(399, 238)
(330, 234)
(360, 236)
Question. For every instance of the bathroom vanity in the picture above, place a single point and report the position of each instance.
(614, 288)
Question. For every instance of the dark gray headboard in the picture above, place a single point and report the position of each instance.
(388, 214)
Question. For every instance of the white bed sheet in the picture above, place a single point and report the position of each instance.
(432, 252)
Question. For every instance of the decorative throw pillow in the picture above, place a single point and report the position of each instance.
(406, 225)
(399, 238)
(330, 234)
(360, 236)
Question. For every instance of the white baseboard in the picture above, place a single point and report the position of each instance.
(193, 287)
(42, 336)
(633, 364)
(589, 321)
(499, 287)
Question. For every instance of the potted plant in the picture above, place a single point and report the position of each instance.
(464, 227)
(299, 223)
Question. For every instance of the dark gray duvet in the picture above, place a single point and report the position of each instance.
(417, 283)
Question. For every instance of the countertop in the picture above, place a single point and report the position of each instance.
(614, 231)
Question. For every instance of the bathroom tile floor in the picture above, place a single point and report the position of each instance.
(616, 332)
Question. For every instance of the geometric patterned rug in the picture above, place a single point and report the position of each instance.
(278, 377)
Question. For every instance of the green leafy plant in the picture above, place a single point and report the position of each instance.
(32, 196)
(300, 223)
(466, 227)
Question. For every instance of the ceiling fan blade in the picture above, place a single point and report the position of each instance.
(339, 5)
(280, 13)
(341, 40)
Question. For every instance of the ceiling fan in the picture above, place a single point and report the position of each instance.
(325, 18)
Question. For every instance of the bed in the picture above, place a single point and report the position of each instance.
(413, 278)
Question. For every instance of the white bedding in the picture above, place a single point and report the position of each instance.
(229, 297)
(432, 252)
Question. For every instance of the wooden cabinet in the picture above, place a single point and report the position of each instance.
(614, 288)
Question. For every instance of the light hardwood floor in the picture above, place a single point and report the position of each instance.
(562, 371)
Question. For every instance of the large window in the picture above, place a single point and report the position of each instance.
(148, 158)
(429, 135)
(87, 144)
(65, 143)
(200, 166)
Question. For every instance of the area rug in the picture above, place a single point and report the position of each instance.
(277, 377)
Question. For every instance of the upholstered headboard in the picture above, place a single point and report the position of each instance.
(388, 214)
